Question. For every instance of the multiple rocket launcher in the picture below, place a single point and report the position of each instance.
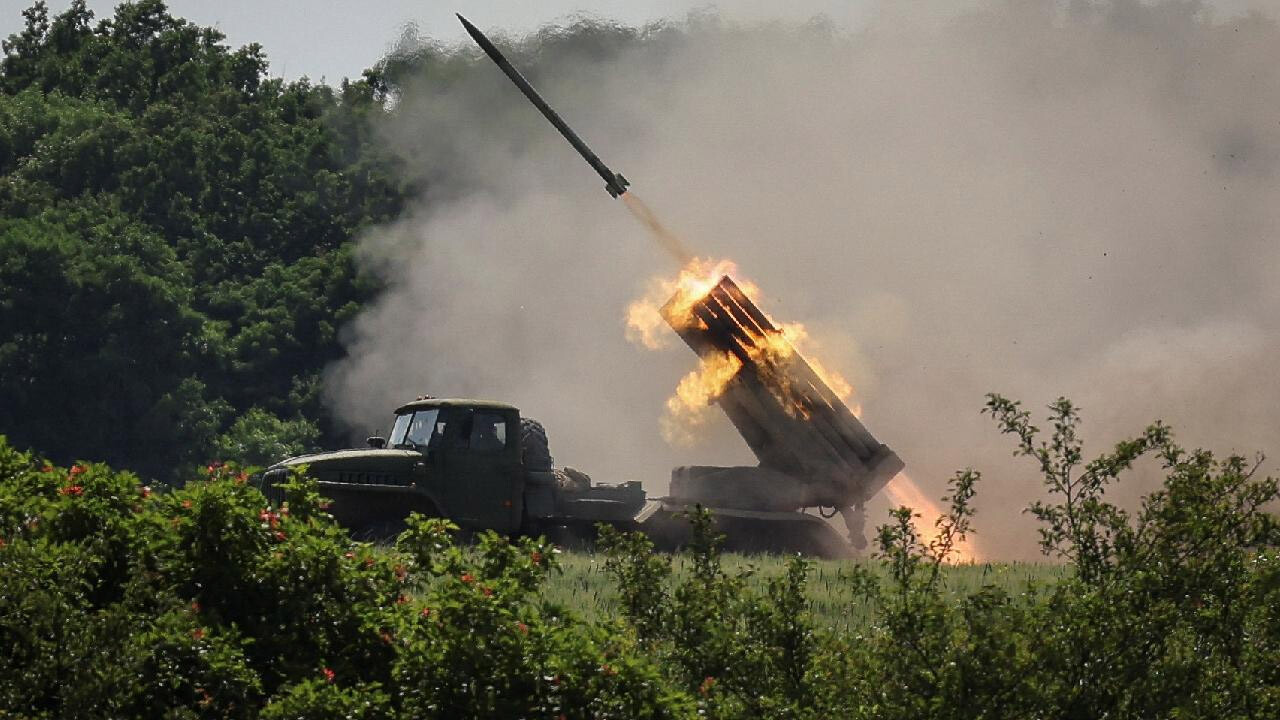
(813, 451)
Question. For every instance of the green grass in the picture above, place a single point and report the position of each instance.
(587, 589)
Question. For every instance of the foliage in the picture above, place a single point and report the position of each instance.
(117, 601)
(260, 438)
(743, 652)
(176, 243)
(210, 601)
(1170, 609)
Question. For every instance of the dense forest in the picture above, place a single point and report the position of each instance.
(175, 248)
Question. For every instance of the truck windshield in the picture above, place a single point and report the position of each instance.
(414, 430)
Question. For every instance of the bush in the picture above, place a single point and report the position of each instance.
(116, 601)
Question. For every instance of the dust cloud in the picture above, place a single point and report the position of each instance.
(1035, 198)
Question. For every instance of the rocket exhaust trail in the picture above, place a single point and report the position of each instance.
(614, 183)
(668, 240)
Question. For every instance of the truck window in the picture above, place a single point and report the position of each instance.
(416, 431)
(488, 431)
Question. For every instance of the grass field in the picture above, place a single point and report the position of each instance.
(586, 588)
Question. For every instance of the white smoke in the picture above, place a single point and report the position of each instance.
(1034, 198)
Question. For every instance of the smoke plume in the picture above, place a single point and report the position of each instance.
(1034, 198)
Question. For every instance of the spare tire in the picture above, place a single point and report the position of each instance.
(534, 451)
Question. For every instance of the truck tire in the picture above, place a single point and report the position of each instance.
(535, 453)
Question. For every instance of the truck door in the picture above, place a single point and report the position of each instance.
(482, 458)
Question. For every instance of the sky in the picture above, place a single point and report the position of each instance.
(332, 39)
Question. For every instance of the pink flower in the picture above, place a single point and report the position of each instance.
(75, 490)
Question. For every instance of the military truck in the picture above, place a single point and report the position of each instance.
(484, 467)
(476, 462)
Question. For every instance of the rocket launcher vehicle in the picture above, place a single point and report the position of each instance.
(813, 451)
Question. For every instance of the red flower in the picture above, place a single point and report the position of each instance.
(401, 572)
(146, 491)
(401, 599)
(707, 685)
(426, 612)
(198, 633)
(186, 504)
(468, 578)
(608, 669)
(386, 637)
(349, 555)
(368, 562)
(280, 535)
(487, 591)
(76, 470)
(76, 490)
(241, 477)
(328, 675)
(536, 557)
(195, 606)
(524, 629)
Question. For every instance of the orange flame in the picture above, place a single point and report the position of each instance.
(797, 335)
(645, 325)
(902, 490)
(687, 408)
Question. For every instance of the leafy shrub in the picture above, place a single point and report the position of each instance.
(116, 601)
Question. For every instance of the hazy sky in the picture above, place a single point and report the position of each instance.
(331, 39)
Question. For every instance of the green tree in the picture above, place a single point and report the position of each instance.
(177, 248)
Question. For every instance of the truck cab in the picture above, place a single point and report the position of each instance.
(454, 458)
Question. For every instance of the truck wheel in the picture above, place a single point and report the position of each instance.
(535, 453)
